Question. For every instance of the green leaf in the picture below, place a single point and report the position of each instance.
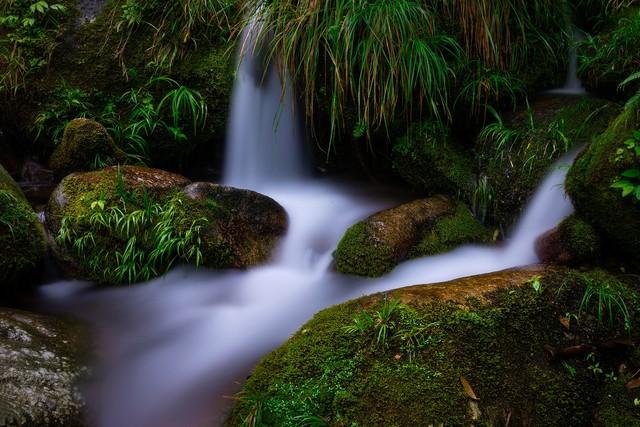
(631, 173)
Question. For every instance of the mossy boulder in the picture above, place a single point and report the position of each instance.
(409, 363)
(430, 160)
(152, 219)
(40, 367)
(374, 246)
(86, 145)
(249, 223)
(22, 238)
(590, 180)
(573, 242)
(515, 155)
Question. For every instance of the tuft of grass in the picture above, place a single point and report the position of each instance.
(604, 297)
(378, 56)
(175, 26)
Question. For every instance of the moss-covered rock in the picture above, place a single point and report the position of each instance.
(590, 180)
(22, 239)
(515, 155)
(449, 232)
(573, 242)
(429, 160)
(423, 227)
(152, 219)
(86, 145)
(250, 223)
(40, 366)
(400, 359)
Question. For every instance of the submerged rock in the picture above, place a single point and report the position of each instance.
(40, 367)
(466, 352)
(423, 227)
(22, 238)
(86, 145)
(151, 219)
(591, 179)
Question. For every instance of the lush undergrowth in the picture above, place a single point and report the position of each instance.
(387, 61)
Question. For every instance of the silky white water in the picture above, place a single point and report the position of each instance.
(169, 351)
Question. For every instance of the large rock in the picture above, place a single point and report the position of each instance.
(590, 180)
(86, 145)
(40, 366)
(151, 219)
(473, 351)
(573, 242)
(22, 238)
(423, 227)
(251, 224)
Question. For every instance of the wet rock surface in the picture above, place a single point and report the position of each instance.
(40, 366)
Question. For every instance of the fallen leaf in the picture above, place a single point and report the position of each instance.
(566, 322)
(467, 388)
(633, 384)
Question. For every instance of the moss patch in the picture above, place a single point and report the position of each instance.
(337, 370)
(22, 244)
(449, 232)
(429, 160)
(580, 239)
(357, 255)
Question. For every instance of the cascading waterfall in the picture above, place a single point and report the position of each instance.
(572, 85)
(264, 138)
(171, 349)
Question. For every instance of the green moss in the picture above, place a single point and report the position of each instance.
(450, 232)
(580, 239)
(327, 371)
(22, 244)
(85, 146)
(589, 185)
(430, 161)
(357, 254)
(521, 151)
(7, 183)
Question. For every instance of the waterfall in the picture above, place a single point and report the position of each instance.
(572, 85)
(172, 348)
(264, 137)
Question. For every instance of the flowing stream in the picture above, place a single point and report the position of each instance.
(169, 351)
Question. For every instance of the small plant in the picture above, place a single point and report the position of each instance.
(571, 370)
(594, 365)
(606, 295)
(535, 284)
(392, 323)
(629, 180)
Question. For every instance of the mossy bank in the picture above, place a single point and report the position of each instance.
(473, 351)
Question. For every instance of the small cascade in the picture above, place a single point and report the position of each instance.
(264, 138)
(573, 85)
